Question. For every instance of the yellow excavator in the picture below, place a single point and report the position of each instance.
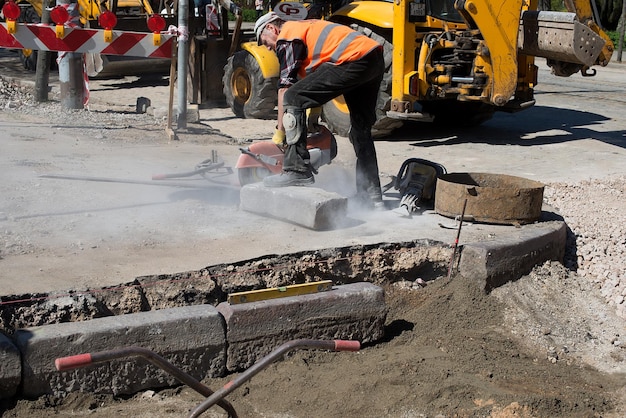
(453, 62)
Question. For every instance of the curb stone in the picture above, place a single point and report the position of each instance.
(10, 368)
(192, 338)
(505, 259)
(351, 312)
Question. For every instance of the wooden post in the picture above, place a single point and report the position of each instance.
(620, 46)
(42, 73)
(170, 107)
(195, 69)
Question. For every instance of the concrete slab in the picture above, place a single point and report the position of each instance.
(353, 312)
(192, 338)
(10, 367)
(307, 206)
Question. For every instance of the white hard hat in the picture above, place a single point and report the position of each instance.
(262, 22)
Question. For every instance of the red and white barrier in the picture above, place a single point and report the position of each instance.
(81, 40)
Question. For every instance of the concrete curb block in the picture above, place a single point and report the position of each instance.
(10, 368)
(353, 311)
(506, 259)
(308, 206)
(191, 338)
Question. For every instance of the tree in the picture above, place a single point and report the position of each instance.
(610, 12)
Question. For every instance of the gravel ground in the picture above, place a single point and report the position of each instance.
(14, 97)
(595, 212)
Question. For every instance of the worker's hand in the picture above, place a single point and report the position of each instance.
(312, 119)
(279, 139)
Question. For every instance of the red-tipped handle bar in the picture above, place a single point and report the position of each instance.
(86, 359)
(73, 362)
(347, 345)
(336, 345)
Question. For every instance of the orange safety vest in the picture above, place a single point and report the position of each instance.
(326, 42)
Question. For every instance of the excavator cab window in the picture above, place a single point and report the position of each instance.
(444, 10)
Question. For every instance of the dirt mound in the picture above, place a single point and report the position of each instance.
(564, 317)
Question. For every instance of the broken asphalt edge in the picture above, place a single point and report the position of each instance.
(206, 341)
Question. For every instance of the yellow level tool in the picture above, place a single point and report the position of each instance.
(279, 292)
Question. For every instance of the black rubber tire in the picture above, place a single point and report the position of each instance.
(459, 114)
(247, 92)
(249, 175)
(28, 58)
(335, 113)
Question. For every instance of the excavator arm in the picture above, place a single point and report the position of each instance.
(499, 24)
(570, 41)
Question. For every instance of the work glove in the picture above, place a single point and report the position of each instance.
(312, 119)
(279, 138)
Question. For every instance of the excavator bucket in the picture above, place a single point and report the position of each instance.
(559, 37)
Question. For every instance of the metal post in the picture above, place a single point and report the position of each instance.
(183, 52)
(42, 74)
(71, 68)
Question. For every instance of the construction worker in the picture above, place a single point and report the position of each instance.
(258, 5)
(319, 61)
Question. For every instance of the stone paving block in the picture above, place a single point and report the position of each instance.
(350, 312)
(307, 206)
(191, 338)
(10, 367)
(508, 258)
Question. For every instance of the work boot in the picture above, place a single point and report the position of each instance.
(375, 195)
(377, 200)
(289, 178)
(377, 204)
(369, 202)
